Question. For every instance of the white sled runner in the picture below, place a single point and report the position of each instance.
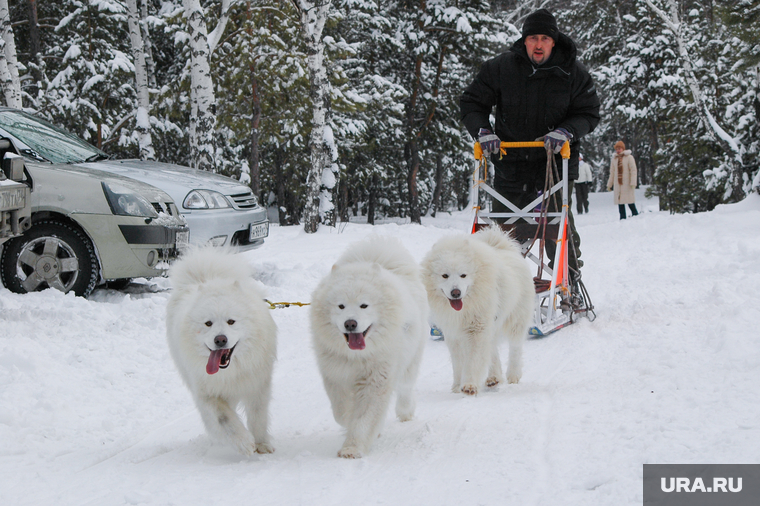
(561, 297)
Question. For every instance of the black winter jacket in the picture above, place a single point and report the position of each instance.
(531, 102)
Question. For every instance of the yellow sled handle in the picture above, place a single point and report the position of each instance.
(565, 151)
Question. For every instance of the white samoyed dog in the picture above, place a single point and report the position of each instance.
(480, 289)
(368, 323)
(224, 342)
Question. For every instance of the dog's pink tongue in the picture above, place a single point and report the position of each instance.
(356, 341)
(212, 367)
(456, 304)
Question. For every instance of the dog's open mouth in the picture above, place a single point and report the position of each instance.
(355, 340)
(456, 304)
(219, 359)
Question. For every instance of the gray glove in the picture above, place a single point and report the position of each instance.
(489, 141)
(555, 139)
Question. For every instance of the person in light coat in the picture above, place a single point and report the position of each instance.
(623, 178)
(582, 185)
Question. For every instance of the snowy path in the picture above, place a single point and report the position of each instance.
(92, 411)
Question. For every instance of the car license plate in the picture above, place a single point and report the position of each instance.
(258, 231)
(183, 238)
(11, 199)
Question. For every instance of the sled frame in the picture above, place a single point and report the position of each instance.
(552, 308)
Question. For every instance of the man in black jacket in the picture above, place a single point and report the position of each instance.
(540, 90)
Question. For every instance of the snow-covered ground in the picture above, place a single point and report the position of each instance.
(93, 412)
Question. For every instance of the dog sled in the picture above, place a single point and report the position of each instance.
(561, 297)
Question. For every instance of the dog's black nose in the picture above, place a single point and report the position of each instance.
(456, 293)
(350, 325)
(220, 341)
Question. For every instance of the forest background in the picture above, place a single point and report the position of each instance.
(332, 110)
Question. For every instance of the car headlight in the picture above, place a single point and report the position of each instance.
(125, 202)
(205, 199)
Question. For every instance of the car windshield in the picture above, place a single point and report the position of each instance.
(47, 141)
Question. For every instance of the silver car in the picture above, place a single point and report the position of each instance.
(87, 226)
(219, 210)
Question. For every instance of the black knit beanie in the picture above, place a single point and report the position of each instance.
(541, 22)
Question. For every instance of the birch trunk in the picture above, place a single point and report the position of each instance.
(254, 159)
(8, 62)
(714, 130)
(216, 34)
(150, 64)
(141, 83)
(321, 177)
(203, 101)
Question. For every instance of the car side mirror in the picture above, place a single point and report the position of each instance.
(13, 166)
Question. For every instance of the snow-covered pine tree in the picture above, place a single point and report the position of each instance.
(368, 131)
(694, 71)
(647, 100)
(91, 87)
(741, 19)
(433, 50)
(33, 43)
(263, 88)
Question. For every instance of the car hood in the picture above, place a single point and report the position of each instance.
(177, 180)
(79, 174)
(69, 189)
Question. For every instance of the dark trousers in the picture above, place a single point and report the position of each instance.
(522, 199)
(621, 209)
(581, 194)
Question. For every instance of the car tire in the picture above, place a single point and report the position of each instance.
(51, 254)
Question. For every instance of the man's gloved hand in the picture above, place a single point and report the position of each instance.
(489, 141)
(555, 139)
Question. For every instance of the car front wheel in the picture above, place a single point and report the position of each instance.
(50, 255)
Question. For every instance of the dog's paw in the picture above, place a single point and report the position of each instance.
(264, 448)
(405, 417)
(470, 389)
(492, 381)
(513, 378)
(455, 388)
(350, 452)
(247, 448)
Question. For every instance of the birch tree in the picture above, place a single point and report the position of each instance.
(713, 129)
(202, 115)
(150, 65)
(141, 83)
(321, 178)
(202, 96)
(9, 78)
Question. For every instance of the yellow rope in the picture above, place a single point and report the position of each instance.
(276, 305)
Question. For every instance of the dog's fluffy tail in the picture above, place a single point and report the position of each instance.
(495, 236)
(205, 263)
